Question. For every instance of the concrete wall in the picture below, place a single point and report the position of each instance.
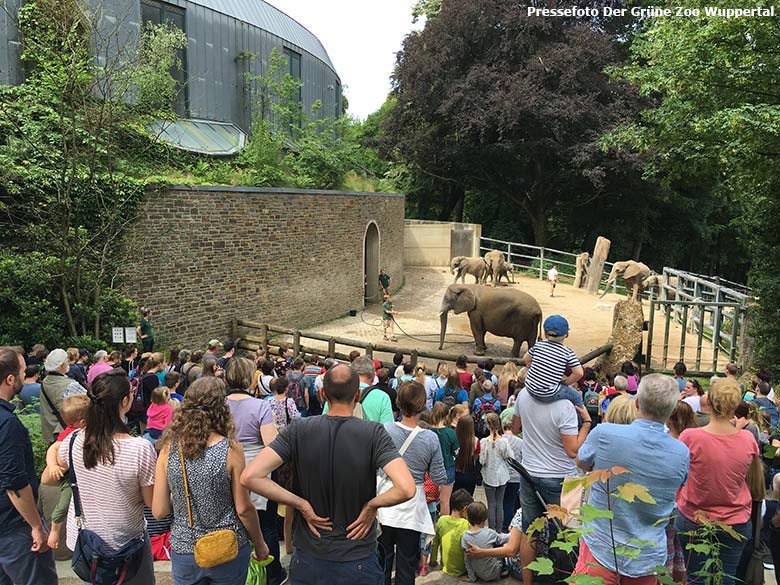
(203, 255)
(435, 243)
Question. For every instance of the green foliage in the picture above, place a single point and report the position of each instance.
(32, 421)
(156, 89)
(715, 124)
(28, 312)
(70, 138)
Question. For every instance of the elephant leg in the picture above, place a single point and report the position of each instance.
(516, 347)
(635, 291)
(478, 331)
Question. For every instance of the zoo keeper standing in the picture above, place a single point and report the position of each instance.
(384, 281)
(387, 318)
(552, 278)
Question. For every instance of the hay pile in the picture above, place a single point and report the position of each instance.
(626, 337)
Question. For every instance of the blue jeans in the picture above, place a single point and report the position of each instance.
(186, 571)
(19, 565)
(510, 504)
(730, 549)
(308, 570)
(562, 393)
(550, 490)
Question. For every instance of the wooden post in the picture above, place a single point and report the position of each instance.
(264, 337)
(370, 350)
(597, 261)
(541, 264)
(413, 358)
(332, 347)
(296, 343)
(581, 270)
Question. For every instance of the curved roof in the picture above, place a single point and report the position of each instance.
(262, 15)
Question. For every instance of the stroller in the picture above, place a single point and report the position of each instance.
(563, 562)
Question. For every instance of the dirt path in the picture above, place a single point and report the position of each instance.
(590, 319)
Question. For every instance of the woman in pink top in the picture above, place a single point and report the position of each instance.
(722, 460)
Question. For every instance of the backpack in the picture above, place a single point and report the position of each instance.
(184, 379)
(450, 397)
(297, 392)
(591, 399)
(480, 418)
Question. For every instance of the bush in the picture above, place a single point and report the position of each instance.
(32, 421)
(85, 342)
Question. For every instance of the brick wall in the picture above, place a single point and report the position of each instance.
(199, 256)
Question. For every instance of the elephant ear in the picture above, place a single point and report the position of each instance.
(634, 269)
(466, 300)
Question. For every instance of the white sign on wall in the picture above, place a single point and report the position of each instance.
(117, 335)
(130, 335)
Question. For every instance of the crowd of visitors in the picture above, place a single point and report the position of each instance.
(367, 472)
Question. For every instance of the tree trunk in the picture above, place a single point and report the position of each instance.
(457, 198)
(636, 249)
(66, 301)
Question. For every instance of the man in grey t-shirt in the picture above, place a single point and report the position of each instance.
(334, 459)
(550, 445)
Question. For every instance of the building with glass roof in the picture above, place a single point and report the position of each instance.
(227, 39)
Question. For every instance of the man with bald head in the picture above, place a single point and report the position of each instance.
(335, 458)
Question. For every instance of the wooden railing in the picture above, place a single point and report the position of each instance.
(262, 335)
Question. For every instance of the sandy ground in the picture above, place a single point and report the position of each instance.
(590, 320)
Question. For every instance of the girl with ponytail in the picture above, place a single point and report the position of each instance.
(114, 472)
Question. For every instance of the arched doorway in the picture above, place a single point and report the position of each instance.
(371, 264)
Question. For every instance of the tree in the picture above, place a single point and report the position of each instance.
(66, 188)
(493, 101)
(718, 117)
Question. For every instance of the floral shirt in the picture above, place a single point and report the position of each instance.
(284, 411)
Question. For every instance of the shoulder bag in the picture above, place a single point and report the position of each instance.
(214, 548)
(93, 561)
(383, 483)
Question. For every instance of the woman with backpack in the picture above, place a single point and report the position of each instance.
(255, 430)
(197, 478)
(435, 383)
(448, 441)
(114, 472)
(282, 405)
(494, 451)
(452, 392)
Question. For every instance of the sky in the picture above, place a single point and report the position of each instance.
(361, 37)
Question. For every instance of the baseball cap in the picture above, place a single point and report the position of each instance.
(557, 325)
(55, 359)
(214, 343)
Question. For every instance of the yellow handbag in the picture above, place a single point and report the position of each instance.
(214, 548)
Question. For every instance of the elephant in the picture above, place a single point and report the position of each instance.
(494, 260)
(460, 266)
(633, 273)
(506, 312)
(507, 271)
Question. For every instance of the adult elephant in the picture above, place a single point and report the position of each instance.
(633, 274)
(505, 312)
(460, 266)
(495, 260)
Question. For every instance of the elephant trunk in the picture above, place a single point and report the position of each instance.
(443, 332)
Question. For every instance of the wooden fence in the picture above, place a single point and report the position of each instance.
(266, 336)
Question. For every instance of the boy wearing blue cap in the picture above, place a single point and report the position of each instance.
(547, 362)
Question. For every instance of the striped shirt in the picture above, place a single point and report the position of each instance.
(111, 498)
(548, 364)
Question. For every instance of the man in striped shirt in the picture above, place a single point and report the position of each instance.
(547, 362)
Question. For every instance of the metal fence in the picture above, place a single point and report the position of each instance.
(704, 316)
(710, 319)
(537, 260)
